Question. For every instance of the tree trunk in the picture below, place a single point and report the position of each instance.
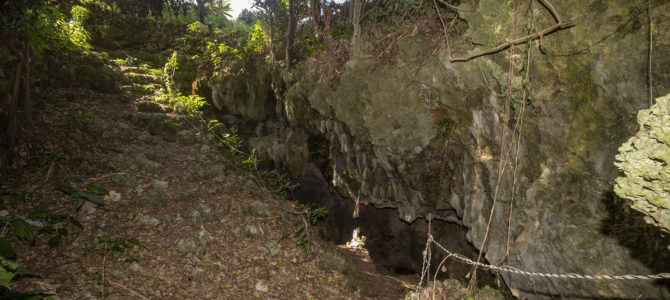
(356, 37)
(315, 9)
(27, 102)
(271, 23)
(290, 34)
(201, 11)
(14, 100)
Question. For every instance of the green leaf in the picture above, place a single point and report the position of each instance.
(62, 231)
(24, 271)
(39, 214)
(65, 188)
(5, 277)
(90, 197)
(54, 241)
(55, 218)
(96, 189)
(8, 264)
(75, 222)
(22, 229)
(299, 232)
(32, 295)
(6, 249)
(46, 230)
(301, 242)
(104, 239)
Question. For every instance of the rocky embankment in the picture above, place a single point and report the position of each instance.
(423, 133)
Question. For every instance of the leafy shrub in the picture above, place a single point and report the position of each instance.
(190, 104)
(168, 74)
(257, 39)
(197, 28)
(10, 269)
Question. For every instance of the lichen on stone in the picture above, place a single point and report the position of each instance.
(645, 162)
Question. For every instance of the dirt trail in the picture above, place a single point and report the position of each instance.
(181, 221)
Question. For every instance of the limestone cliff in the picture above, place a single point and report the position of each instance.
(423, 134)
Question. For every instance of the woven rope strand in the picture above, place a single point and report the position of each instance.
(548, 275)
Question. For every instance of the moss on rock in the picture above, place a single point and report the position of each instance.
(645, 161)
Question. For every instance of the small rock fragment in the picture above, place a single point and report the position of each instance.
(136, 267)
(253, 230)
(204, 237)
(197, 271)
(149, 220)
(261, 287)
(144, 137)
(112, 197)
(88, 207)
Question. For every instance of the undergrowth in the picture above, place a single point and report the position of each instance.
(56, 226)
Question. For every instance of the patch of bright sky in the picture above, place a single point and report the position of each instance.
(238, 6)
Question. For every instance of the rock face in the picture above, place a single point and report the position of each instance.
(425, 135)
(249, 96)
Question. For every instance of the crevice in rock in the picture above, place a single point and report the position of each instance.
(394, 245)
(647, 243)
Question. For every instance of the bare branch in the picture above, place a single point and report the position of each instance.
(448, 5)
(520, 40)
(552, 9)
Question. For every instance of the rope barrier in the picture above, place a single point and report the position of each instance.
(425, 267)
(513, 270)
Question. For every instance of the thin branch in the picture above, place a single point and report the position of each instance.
(444, 28)
(502, 162)
(520, 40)
(517, 131)
(136, 294)
(553, 10)
(453, 7)
(448, 5)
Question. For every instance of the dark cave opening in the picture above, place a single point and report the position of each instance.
(394, 245)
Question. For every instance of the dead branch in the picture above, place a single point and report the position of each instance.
(552, 10)
(520, 40)
(136, 294)
(448, 5)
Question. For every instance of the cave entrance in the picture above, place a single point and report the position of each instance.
(394, 246)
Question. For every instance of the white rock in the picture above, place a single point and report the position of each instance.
(136, 267)
(261, 287)
(112, 197)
